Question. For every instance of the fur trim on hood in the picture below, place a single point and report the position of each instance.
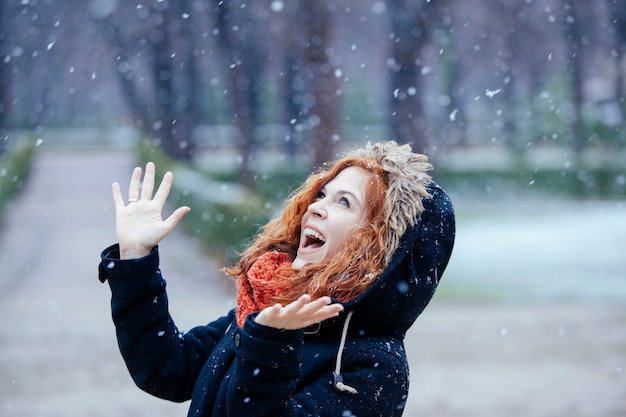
(408, 179)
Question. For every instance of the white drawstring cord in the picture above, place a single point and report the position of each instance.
(337, 378)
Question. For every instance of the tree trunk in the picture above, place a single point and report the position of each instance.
(325, 84)
(411, 21)
(243, 63)
(573, 38)
(5, 82)
(617, 12)
(170, 114)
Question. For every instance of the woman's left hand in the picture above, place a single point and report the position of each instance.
(299, 314)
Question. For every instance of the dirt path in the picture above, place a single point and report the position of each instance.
(507, 356)
(58, 354)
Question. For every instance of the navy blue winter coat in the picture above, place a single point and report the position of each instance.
(260, 371)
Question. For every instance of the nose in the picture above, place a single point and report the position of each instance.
(318, 208)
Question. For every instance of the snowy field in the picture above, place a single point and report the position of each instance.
(540, 249)
(530, 318)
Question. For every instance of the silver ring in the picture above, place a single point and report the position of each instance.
(132, 200)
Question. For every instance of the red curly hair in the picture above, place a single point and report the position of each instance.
(344, 276)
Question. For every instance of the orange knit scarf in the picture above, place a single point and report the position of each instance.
(257, 290)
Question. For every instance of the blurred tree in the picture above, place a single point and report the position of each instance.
(39, 71)
(5, 82)
(292, 94)
(617, 17)
(155, 39)
(239, 41)
(295, 62)
(324, 82)
(520, 65)
(452, 121)
(511, 65)
(574, 32)
(29, 59)
(412, 24)
(304, 44)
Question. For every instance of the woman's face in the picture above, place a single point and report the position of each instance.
(338, 209)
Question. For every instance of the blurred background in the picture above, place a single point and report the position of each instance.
(520, 105)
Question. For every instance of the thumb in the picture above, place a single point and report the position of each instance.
(176, 216)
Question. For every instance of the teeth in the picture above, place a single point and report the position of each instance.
(312, 233)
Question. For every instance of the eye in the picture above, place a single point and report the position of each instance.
(319, 196)
(344, 202)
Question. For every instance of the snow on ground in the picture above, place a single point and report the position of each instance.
(541, 249)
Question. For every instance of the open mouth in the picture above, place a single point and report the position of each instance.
(313, 239)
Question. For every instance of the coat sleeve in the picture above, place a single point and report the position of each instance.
(267, 379)
(161, 360)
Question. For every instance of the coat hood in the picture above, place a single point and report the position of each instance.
(408, 283)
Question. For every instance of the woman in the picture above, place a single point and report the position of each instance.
(326, 293)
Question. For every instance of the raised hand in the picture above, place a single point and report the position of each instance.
(299, 314)
(139, 224)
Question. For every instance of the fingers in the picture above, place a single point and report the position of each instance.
(164, 188)
(135, 185)
(305, 306)
(319, 310)
(139, 189)
(148, 182)
(118, 201)
(299, 314)
(272, 314)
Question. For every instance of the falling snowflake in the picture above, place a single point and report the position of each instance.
(491, 93)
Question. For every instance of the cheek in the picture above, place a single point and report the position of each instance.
(345, 228)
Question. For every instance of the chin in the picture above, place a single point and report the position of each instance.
(299, 263)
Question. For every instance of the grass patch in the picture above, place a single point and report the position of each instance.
(598, 182)
(15, 168)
